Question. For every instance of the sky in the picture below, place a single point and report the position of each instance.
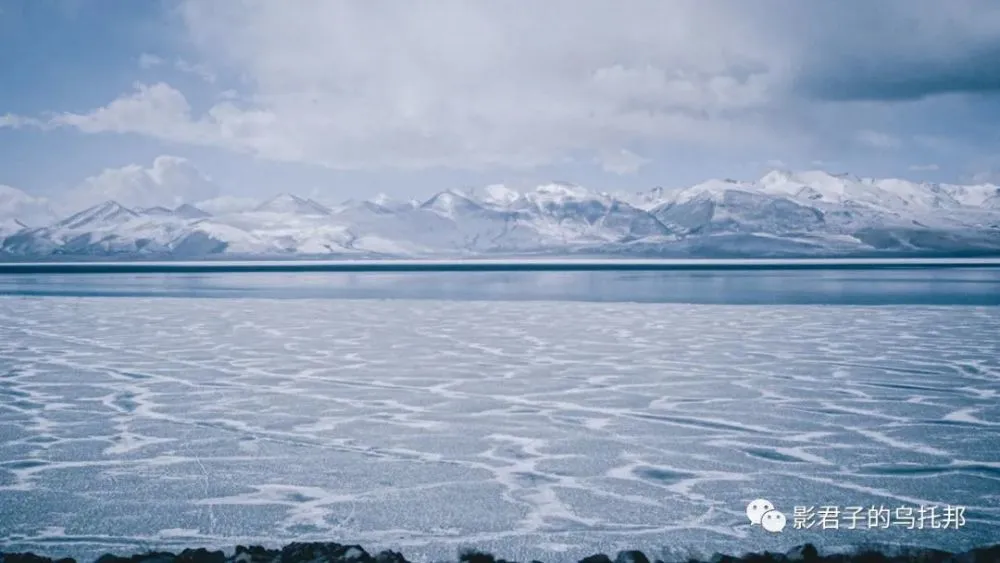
(165, 101)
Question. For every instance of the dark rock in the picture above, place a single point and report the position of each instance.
(766, 557)
(200, 555)
(28, 557)
(806, 553)
(985, 554)
(254, 554)
(154, 557)
(388, 556)
(337, 553)
(631, 557)
(473, 556)
(324, 553)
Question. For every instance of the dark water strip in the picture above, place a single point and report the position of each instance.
(399, 266)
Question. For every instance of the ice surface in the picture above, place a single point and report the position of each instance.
(530, 429)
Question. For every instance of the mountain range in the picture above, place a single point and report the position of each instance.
(782, 214)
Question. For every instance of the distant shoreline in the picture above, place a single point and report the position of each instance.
(487, 265)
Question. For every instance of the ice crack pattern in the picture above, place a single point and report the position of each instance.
(524, 428)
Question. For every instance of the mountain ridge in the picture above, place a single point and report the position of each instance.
(811, 213)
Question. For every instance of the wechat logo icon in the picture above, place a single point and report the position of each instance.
(761, 512)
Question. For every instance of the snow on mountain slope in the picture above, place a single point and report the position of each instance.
(644, 200)
(157, 211)
(185, 211)
(385, 202)
(106, 227)
(853, 204)
(494, 195)
(189, 211)
(807, 212)
(103, 215)
(985, 196)
(572, 214)
(889, 195)
(732, 208)
(288, 203)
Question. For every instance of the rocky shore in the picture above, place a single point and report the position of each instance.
(337, 553)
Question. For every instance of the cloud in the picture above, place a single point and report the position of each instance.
(621, 162)
(925, 167)
(877, 139)
(474, 85)
(169, 182)
(986, 177)
(163, 112)
(156, 110)
(200, 70)
(227, 204)
(147, 61)
(898, 49)
(30, 210)
(18, 122)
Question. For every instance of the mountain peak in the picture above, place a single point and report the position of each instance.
(449, 203)
(107, 213)
(493, 194)
(159, 210)
(188, 211)
(564, 189)
(385, 203)
(290, 203)
(382, 199)
(775, 176)
(829, 212)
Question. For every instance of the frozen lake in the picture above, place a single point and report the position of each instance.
(543, 417)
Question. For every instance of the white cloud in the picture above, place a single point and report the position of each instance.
(924, 167)
(169, 182)
(147, 61)
(986, 177)
(30, 210)
(470, 85)
(156, 110)
(17, 122)
(475, 84)
(198, 69)
(163, 112)
(621, 162)
(227, 204)
(877, 139)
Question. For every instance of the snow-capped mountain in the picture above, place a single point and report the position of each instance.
(293, 204)
(185, 211)
(783, 213)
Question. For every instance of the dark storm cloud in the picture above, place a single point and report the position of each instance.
(895, 51)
